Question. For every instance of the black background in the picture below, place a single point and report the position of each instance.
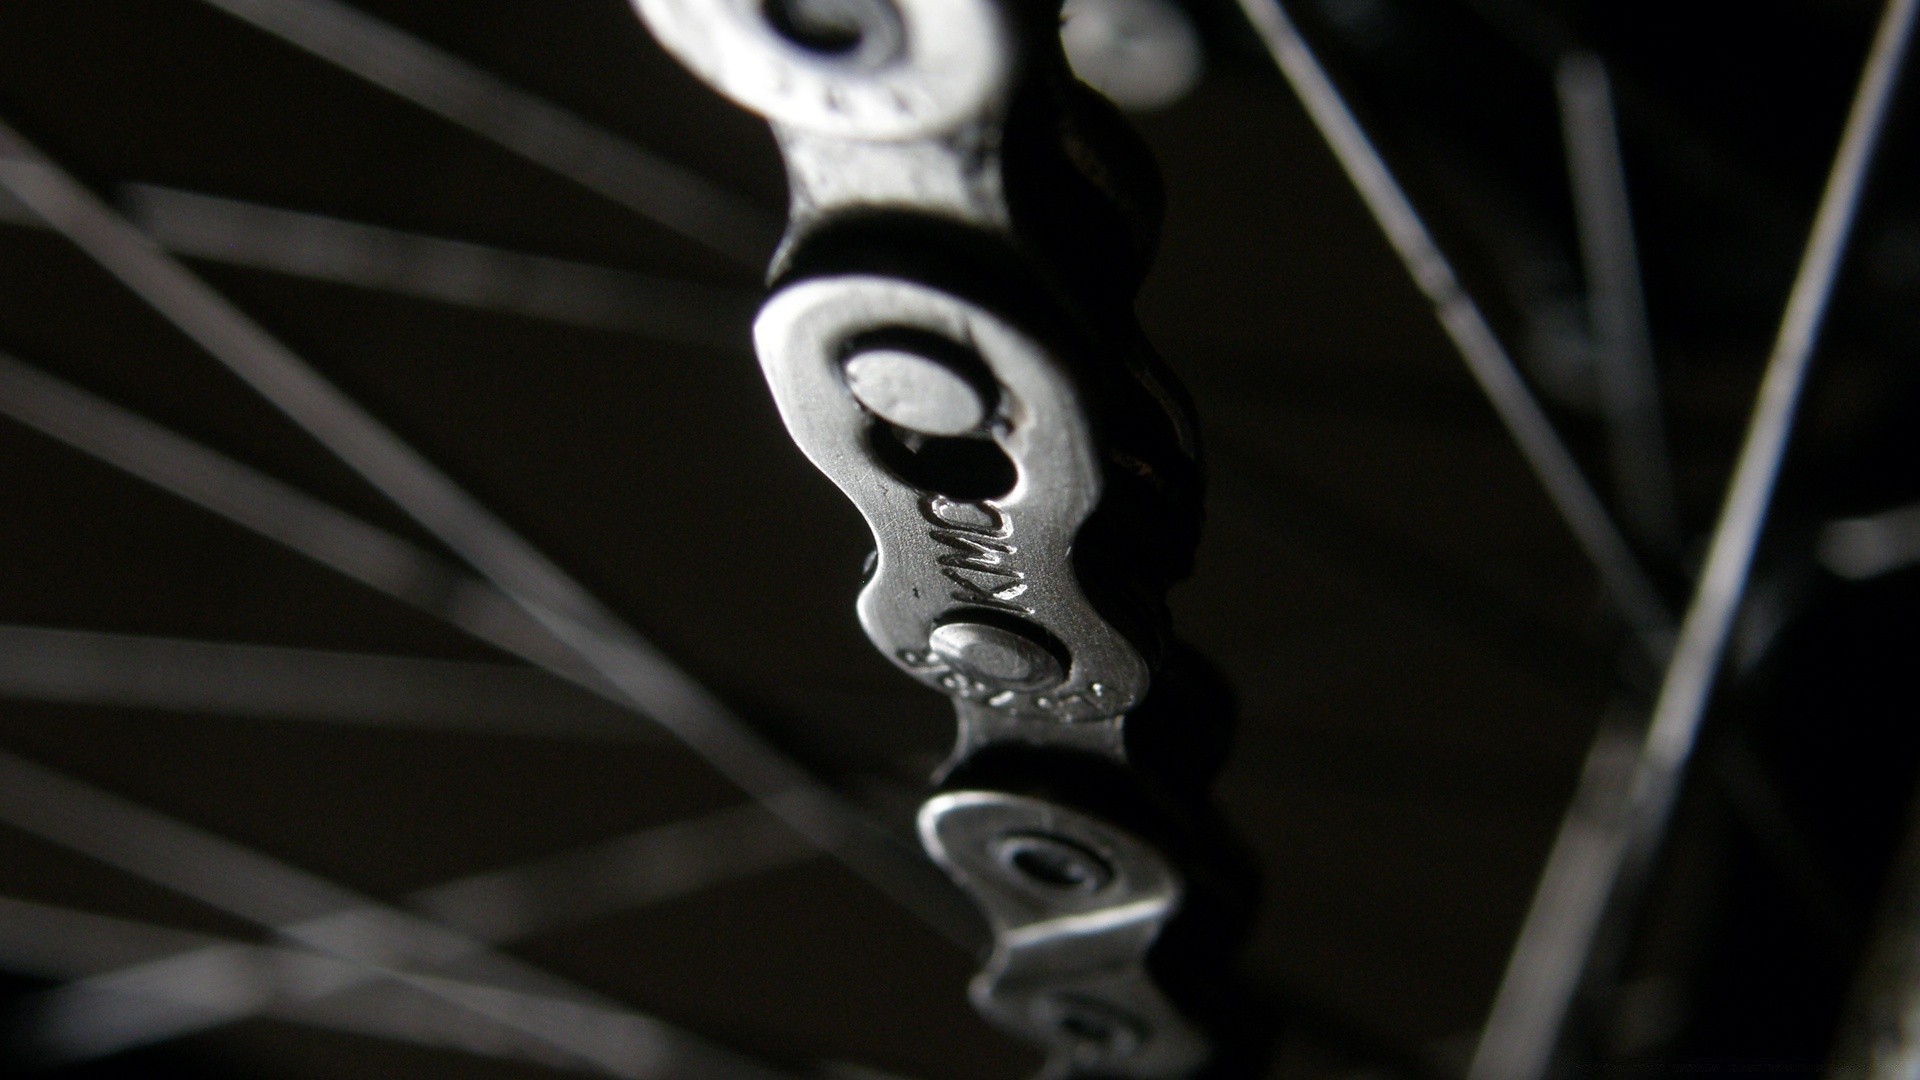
(1421, 652)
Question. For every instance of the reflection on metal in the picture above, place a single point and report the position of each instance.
(1027, 468)
(156, 998)
(1617, 306)
(1632, 590)
(450, 271)
(361, 934)
(1142, 54)
(265, 682)
(1866, 547)
(1005, 554)
(628, 664)
(535, 129)
(1075, 905)
(923, 66)
(1597, 847)
(919, 393)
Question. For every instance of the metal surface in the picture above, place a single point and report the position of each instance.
(976, 385)
(1141, 54)
(866, 69)
(1075, 905)
(945, 554)
(350, 546)
(919, 393)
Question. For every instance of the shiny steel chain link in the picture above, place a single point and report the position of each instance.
(950, 339)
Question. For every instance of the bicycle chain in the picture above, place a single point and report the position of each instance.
(950, 338)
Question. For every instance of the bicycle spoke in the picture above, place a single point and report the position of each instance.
(1398, 574)
(328, 535)
(46, 941)
(207, 981)
(536, 129)
(1617, 304)
(307, 685)
(1626, 581)
(377, 559)
(451, 271)
(224, 982)
(401, 1014)
(338, 923)
(321, 248)
(1597, 846)
(646, 678)
(649, 866)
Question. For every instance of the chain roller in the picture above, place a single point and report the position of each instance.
(950, 339)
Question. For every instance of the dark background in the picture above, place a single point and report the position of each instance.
(1421, 652)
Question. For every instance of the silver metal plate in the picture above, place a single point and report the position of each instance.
(943, 559)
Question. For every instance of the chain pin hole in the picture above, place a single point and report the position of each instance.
(1097, 1032)
(862, 34)
(935, 405)
(1052, 863)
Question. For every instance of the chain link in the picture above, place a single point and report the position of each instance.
(950, 338)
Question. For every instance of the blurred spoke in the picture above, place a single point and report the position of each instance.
(366, 553)
(532, 127)
(470, 275)
(48, 942)
(1600, 845)
(651, 682)
(258, 681)
(340, 925)
(1632, 590)
(217, 982)
(141, 981)
(1866, 547)
(1617, 304)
